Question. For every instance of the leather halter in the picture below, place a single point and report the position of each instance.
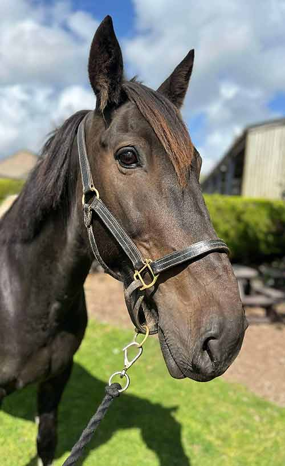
(95, 206)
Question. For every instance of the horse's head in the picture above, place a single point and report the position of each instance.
(147, 172)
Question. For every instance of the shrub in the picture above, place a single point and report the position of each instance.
(8, 187)
(254, 229)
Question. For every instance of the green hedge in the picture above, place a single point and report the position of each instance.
(8, 187)
(254, 229)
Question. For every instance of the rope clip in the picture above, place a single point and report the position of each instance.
(128, 363)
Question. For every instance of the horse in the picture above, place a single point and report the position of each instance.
(146, 171)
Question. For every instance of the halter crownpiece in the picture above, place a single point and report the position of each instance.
(140, 265)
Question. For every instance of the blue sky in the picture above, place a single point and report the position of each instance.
(277, 103)
(238, 77)
(122, 11)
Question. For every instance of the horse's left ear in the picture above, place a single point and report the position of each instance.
(176, 85)
(105, 65)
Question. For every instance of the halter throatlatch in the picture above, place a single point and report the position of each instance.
(93, 205)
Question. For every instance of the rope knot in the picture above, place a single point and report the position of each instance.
(113, 390)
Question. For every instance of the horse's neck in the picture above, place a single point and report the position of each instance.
(59, 255)
(72, 259)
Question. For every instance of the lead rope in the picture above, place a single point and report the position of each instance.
(113, 390)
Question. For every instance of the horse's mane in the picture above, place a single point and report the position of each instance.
(165, 120)
(47, 185)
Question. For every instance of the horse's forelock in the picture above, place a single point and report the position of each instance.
(165, 120)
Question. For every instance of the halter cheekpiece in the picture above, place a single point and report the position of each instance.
(94, 205)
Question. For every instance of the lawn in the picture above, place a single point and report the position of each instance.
(159, 421)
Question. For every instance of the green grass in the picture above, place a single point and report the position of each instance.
(159, 421)
(8, 187)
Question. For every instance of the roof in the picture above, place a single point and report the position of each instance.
(239, 142)
(237, 146)
(18, 166)
(276, 122)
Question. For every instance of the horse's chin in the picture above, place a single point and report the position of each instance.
(173, 368)
(171, 365)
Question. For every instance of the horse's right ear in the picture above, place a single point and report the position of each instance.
(105, 67)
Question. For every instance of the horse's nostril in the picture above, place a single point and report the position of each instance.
(206, 357)
(217, 348)
(209, 347)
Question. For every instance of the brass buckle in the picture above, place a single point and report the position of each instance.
(138, 275)
(94, 190)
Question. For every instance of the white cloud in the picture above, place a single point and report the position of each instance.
(44, 46)
(43, 70)
(239, 62)
(29, 114)
(84, 26)
(71, 99)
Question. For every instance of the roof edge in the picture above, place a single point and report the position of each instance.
(236, 144)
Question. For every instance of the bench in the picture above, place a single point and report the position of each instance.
(261, 296)
(277, 295)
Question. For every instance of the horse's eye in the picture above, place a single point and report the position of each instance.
(127, 157)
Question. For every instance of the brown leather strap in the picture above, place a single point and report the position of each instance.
(118, 232)
(196, 250)
(135, 301)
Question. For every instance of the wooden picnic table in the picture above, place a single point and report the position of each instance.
(245, 275)
(244, 272)
(254, 293)
(273, 272)
(276, 276)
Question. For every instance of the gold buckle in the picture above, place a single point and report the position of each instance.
(138, 276)
(94, 190)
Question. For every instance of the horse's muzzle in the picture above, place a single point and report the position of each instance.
(211, 355)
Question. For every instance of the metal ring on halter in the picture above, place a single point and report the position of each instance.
(138, 275)
(92, 190)
(145, 337)
(121, 374)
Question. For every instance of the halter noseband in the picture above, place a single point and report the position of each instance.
(140, 265)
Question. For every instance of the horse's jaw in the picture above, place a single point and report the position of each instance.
(171, 365)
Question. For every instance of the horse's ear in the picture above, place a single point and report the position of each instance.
(105, 67)
(176, 85)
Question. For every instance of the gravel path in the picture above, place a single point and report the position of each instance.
(260, 365)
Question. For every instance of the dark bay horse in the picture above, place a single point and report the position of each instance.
(146, 170)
